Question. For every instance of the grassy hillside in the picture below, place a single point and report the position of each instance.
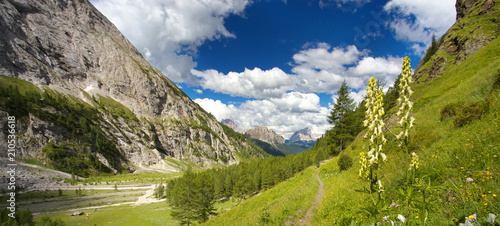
(456, 136)
(287, 201)
(451, 149)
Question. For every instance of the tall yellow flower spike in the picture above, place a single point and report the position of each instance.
(414, 162)
(373, 120)
(363, 171)
(405, 105)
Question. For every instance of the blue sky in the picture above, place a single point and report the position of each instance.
(278, 63)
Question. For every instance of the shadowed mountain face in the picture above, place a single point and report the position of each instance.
(86, 80)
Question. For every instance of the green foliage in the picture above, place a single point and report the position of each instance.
(191, 199)
(49, 221)
(159, 191)
(115, 108)
(341, 117)
(392, 94)
(449, 155)
(240, 181)
(344, 161)
(431, 50)
(496, 80)
(343, 105)
(21, 217)
(348, 122)
(283, 204)
(83, 137)
(462, 113)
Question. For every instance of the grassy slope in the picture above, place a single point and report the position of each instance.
(448, 154)
(288, 201)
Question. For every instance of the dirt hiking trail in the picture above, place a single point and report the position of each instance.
(321, 190)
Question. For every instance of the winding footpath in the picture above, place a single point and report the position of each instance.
(317, 200)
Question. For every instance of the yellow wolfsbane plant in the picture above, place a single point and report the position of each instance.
(374, 113)
(370, 162)
(404, 103)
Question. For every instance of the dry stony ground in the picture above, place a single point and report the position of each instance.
(38, 182)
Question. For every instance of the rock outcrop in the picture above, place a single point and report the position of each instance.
(265, 134)
(232, 125)
(477, 24)
(69, 50)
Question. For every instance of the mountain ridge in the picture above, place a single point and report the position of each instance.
(74, 55)
(265, 134)
(303, 135)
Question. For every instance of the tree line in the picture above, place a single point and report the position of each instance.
(193, 195)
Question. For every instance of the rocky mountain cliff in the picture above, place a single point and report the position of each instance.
(477, 24)
(91, 99)
(265, 134)
(232, 125)
(303, 135)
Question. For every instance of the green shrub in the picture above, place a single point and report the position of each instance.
(345, 161)
(462, 114)
(496, 82)
(48, 221)
(450, 110)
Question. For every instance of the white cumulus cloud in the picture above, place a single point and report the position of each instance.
(285, 115)
(256, 83)
(168, 32)
(417, 21)
(217, 108)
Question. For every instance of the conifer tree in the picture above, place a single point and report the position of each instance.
(204, 198)
(183, 200)
(340, 116)
(343, 105)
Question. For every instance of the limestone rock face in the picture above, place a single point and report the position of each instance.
(232, 125)
(70, 48)
(265, 134)
(303, 135)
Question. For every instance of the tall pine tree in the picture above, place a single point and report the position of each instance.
(183, 199)
(340, 116)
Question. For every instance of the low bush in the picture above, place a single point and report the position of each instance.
(462, 114)
(344, 162)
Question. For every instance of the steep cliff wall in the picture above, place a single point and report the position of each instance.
(73, 56)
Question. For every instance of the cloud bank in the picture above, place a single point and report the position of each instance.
(285, 115)
(417, 21)
(288, 102)
(168, 32)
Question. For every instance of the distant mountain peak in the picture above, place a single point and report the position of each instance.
(303, 135)
(232, 125)
(265, 134)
